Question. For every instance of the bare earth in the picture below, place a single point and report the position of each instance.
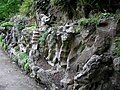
(12, 78)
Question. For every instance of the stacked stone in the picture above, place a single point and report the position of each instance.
(35, 37)
(34, 53)
(51, 41)
(66, 37)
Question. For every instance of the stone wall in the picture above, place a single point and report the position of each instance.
(67, 56)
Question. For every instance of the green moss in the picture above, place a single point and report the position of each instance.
(89, 21)
(7, 24)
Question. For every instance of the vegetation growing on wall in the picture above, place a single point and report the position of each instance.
(68, 7)
(95, 20)
(6, 24)
(1, 41)
(25, 59)
(8, 8)
(43, 38)
(25, 8)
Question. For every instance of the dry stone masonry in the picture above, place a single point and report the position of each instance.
(66, 56)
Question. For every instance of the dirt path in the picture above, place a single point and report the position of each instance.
(12, 78)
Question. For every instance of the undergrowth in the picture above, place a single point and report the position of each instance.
(25, 59)
(95, 20)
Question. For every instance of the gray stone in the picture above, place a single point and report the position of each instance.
(116, 63)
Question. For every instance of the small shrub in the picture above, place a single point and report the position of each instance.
(26, 67)
(24, 57)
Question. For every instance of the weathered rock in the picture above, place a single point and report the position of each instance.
(34, 70)
(34, 56)
(116, 63)
(63, 58)
(2, 29)
(51, 41)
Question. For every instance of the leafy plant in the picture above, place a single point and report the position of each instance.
(26, 67)
(89, 21)
(25, 9)
(7, 24)
(8, 8)
(24, 57)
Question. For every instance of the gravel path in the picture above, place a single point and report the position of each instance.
(12, 78)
